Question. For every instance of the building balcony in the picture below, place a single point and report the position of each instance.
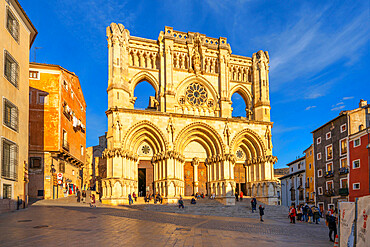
(329, 174)
(343, 170)
(66, 145)
(329, 192)
(343, 192)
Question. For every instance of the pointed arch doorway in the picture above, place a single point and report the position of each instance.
(195, 169)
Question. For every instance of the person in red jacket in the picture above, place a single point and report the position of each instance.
(292, 214)
(241, 196)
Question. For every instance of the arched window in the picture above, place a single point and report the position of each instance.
(239, 105)
(145, 96)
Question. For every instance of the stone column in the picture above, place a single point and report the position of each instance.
(195, 163)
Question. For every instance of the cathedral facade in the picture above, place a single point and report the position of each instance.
(186, 141)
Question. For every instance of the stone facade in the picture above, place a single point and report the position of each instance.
(310, 175)
(16, 37)
(57, 131)
(187, 134)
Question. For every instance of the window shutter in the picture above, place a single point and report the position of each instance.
(5, 169)
(14, 118)
(13, 161)
(16, 29)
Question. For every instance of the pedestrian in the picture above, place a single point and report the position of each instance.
(310, 215)
(83, 196)
(134, 196)
(241, 196)
(78, 196)
(299, 213)
(262, 209)
(92, 204)
(292, 214)
(236, 196)
(254, 204)
(315, 215)
(181, 203)
(332, 225)
(130, 199)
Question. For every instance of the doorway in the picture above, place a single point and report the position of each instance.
(142, 181)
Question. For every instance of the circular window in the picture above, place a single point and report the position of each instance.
(196, 94)
(145, 149)
(239, 154)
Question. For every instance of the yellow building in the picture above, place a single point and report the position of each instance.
(187, 141)
(16, 37)
(310, 175)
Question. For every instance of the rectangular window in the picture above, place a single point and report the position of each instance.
(65, 140)
(309, 166)
(11, 69)
(35, 162)
(7, 191)
(320, 191)
(328, 135)
(72, 93)
(329, 152)
(356, 186)
(82, 150)
(65, 85)
(357, 142)
(9, 159)
(329, 185)
(62, 167)
(343, 147)
(12, 25)
(310, 152)
(319, 156)
(318, 140)
(34, 74)
(356, 164)
(343, 128)
(343, 183)
(343, 163)
(319, 173)
(329, 167)
(10, 115)
(42, 98)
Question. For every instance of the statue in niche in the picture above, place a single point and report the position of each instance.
(268, 137)
(196, 58)
(227, 132)
(170, 129)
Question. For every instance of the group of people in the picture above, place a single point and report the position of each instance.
(304, 214)
(83, 194)
(237, 196)
(157, 198)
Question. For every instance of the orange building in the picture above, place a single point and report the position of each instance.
(57, 131)
(310, 175)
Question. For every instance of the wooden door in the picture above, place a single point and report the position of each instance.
(189, 178)
(202, 178)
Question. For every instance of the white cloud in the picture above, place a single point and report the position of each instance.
(310, 107)
(337, 108)
(347, 98)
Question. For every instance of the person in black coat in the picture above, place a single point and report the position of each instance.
(262, 212)
(332, 225)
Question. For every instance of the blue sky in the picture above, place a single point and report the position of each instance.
(319, 51)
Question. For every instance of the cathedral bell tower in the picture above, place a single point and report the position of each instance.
(262, 106)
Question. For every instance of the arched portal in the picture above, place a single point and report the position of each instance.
(195, 170)
(199, 142)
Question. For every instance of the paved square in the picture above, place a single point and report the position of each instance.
(71, 224)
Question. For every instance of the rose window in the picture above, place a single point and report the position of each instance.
(145, 149)
(196, 94)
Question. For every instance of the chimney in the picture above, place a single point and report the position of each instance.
(363, 103)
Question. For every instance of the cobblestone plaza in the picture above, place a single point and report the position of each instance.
(65, 223)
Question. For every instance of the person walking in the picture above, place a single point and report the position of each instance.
(236, 196)
(78, 196)
(83, 196)
(134, 196)
(305, 211)
(315, 215)
(241, 196)
(130, 199)
(332, 225)
(310, 214)
(254, 204)
(292, 214)
(92, 204)
(262, 212)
